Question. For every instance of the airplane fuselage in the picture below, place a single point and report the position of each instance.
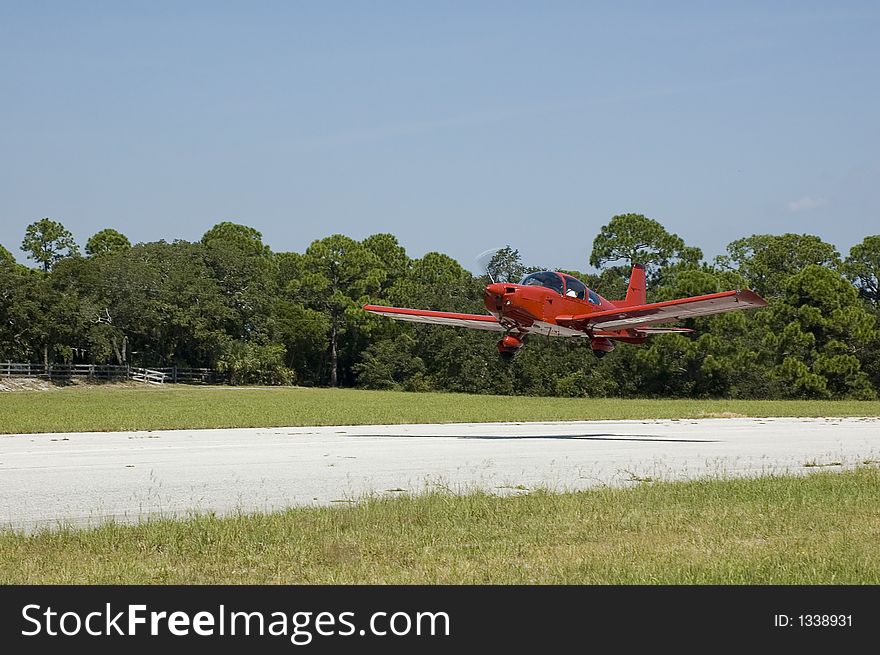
(531, 303)
(520, 306)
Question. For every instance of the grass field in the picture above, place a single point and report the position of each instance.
(822, 528)
(108, 408)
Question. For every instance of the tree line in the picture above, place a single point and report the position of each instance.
(229, 302)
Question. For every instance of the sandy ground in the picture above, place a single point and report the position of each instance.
(25, 384)
(83, 478)
(14, 383)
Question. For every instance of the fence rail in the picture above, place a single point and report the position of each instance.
(157, 375)
(192, 375)
(101, 371)
(147, 375)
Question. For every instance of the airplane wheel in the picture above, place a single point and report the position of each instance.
(599, 354)
(507, 356)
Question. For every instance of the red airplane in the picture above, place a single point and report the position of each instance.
(559, 305)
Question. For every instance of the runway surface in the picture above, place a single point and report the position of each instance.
(84, 478)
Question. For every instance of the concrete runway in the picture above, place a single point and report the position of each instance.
(84, 478)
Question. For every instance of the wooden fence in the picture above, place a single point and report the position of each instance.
(192, 375)
(146, 375)
(97, 371)
(113, 372)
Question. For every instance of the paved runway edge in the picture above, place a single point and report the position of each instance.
(84, 478)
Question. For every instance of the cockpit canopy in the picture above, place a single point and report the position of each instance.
(562, 284)
(546, 279)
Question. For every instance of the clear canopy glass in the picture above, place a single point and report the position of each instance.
(562, 284)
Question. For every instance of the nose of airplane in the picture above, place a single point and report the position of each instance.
(493, 296)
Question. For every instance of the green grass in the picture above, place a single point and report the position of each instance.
(109, 408)
(822, 528)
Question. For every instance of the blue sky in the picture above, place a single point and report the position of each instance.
(457, 126)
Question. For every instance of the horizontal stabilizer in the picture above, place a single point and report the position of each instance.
(640, 316)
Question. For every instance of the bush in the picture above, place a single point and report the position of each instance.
(249, 363)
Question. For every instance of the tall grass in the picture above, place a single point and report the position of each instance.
(818, 529)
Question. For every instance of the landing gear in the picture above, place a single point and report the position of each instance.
(601, 346)
(509, 347)
(507, 356)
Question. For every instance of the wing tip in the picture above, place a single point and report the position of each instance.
(751, 297)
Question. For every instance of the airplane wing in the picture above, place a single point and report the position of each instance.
(664, 330)
(638, 317)
(476, 321)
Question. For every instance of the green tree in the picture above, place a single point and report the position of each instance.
(611, 282)
(229, 302)
(506, 266)
(549, 367)
(437, 281)
(681, 283)
(465, 361)
(15, 319)
(47, 242)
(106, 241)
(97, 339)
(637, 239)
(304, 331)
(392, 255)
(154, 304)
(392, 364)
(338, 276)
(40, 318)
(766, 261)
(6, 257)
(244, 269)
(243, 238)
(817, 333)
(863, 268)
(453, 358)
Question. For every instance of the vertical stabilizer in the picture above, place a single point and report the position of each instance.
(635, 293)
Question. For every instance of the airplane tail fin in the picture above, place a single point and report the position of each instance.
(635, 293)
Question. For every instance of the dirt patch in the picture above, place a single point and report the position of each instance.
(42, 384)
(722, 415)
(24, 384)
